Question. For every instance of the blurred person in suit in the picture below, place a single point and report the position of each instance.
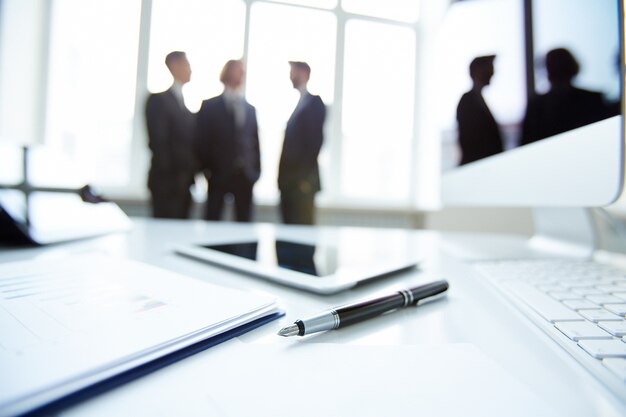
(564, 107)
(479, 134)
(227, 139)
(171, 133)
(298, 171)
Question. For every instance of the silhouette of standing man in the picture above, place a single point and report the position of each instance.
(479, 135)
(171, 133)
(298, 172)
(228, 144)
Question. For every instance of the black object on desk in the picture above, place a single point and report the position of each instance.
(354, 313)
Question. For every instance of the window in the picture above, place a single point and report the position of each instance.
(378, 111)
(402, 10)
(210, 32)
(23, 37)
(104, 57)
(324, 4)
(10, 164)
(91, 85)
(279, 34)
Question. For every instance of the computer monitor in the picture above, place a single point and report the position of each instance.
(546, 124)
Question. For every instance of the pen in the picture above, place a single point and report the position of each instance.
(354, 313)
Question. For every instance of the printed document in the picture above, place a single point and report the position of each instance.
(66, 324)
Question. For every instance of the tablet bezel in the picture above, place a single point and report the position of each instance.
(344, 278)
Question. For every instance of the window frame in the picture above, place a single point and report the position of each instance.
(423, 172)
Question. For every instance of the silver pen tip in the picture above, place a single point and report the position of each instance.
(292, 330)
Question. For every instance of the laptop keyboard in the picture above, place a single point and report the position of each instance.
(583, 300)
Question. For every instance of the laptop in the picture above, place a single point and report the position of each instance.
(551, 61)
(37, 212)
(44, 217)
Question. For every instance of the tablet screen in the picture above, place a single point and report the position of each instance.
(301, 257)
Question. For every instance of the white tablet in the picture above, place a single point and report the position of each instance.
(324, 268)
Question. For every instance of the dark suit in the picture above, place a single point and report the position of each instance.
(559, 111)
(479, 135)
(229, 154)
(298, 172)
(171, 133)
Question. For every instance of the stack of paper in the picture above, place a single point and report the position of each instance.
(67, 324)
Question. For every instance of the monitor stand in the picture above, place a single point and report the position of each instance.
(580, 233)
(561, 231)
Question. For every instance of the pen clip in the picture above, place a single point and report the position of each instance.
(431, 298)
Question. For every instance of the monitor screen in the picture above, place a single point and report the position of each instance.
(531, 109)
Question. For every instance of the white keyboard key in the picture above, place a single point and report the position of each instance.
(616, 328)
(580, 304)
(616, 275)
(581, 284)
(577, 330)
(541, 281)
(609, 289)
(551, 287)
(618, 366)
(546, 307)
(621, 295)
(619, 309)
(587, 291)
(599, 315)
(604, 348)
(604, 299)
(565, 295)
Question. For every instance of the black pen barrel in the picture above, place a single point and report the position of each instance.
(355, 313)
(429, 290)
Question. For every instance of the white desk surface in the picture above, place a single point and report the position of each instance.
(473, 320)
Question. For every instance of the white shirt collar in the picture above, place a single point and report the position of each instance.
(177, 89)
(232, 94)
